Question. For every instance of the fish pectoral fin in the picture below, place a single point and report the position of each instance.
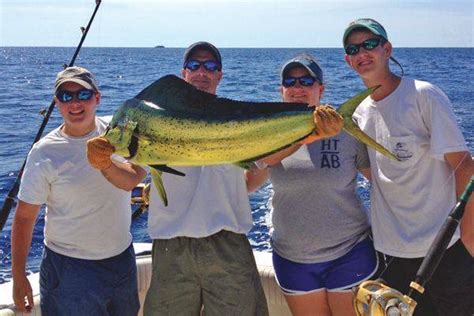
(165, 168)
(158, 181)
(354, 130)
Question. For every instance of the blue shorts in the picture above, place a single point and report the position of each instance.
(71, 286)
(338, 275)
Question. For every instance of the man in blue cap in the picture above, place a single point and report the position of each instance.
(410, 200)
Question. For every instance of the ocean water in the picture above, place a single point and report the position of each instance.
(27, 77)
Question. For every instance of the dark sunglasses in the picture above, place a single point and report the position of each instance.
(209, 65)
(305, 81)
(368, 44)
(67, 96)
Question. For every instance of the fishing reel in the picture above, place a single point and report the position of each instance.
(141, 198)
(373, 298)
(141, 195)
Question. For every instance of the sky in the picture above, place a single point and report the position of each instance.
(233, 23)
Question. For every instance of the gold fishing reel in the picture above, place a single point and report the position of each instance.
(372, 298)
(141, 195)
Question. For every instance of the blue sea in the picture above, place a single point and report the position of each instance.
(27, 76)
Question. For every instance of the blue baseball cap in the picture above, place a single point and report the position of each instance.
(306, 61)
(366, 23)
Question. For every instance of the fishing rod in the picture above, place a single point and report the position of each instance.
(376, 299)
(440, 244)
(10, 199)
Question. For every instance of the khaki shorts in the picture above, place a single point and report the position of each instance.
(217, 272)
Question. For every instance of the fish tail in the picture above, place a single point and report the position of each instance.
(351, 128)
(347, 109)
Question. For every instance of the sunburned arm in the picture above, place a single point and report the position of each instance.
(22, 232)
(275, 158)
(124, 175)
(255, 178)
(463, 166)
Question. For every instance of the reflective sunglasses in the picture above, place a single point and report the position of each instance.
(305, 81)
(209, 65)
(67, 96)
(368, 44)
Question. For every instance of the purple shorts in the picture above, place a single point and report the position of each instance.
(338, 275)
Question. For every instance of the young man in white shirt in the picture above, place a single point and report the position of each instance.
(411, 199)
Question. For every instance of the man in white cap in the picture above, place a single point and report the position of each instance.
(88, 265)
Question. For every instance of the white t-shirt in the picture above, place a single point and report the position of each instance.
(205, 201)
(86, 216)
(410, 200)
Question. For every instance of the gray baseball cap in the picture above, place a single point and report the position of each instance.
(306, 61)
(78, 75)
(204, 46)
(366, 23)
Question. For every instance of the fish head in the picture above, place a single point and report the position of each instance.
(120, 134)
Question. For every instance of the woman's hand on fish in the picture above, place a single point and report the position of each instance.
(99, 152)
(328, 123)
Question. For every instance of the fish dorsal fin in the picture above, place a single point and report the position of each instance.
(173, 94)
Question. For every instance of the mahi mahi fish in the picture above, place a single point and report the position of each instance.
(172, 123)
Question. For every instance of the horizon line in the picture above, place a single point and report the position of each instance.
(224, 47)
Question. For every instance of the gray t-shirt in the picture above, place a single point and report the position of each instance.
(317, 216)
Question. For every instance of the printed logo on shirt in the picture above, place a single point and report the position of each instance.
(402, 152)
(330, 153)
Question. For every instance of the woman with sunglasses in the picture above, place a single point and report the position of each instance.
(320, 240)
(411, 199)
(88, 265)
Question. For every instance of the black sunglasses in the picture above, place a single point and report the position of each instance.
(209, 65)
(368, 44)
(305, 81)
(67, 96)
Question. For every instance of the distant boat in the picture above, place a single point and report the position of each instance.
(159, 46)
